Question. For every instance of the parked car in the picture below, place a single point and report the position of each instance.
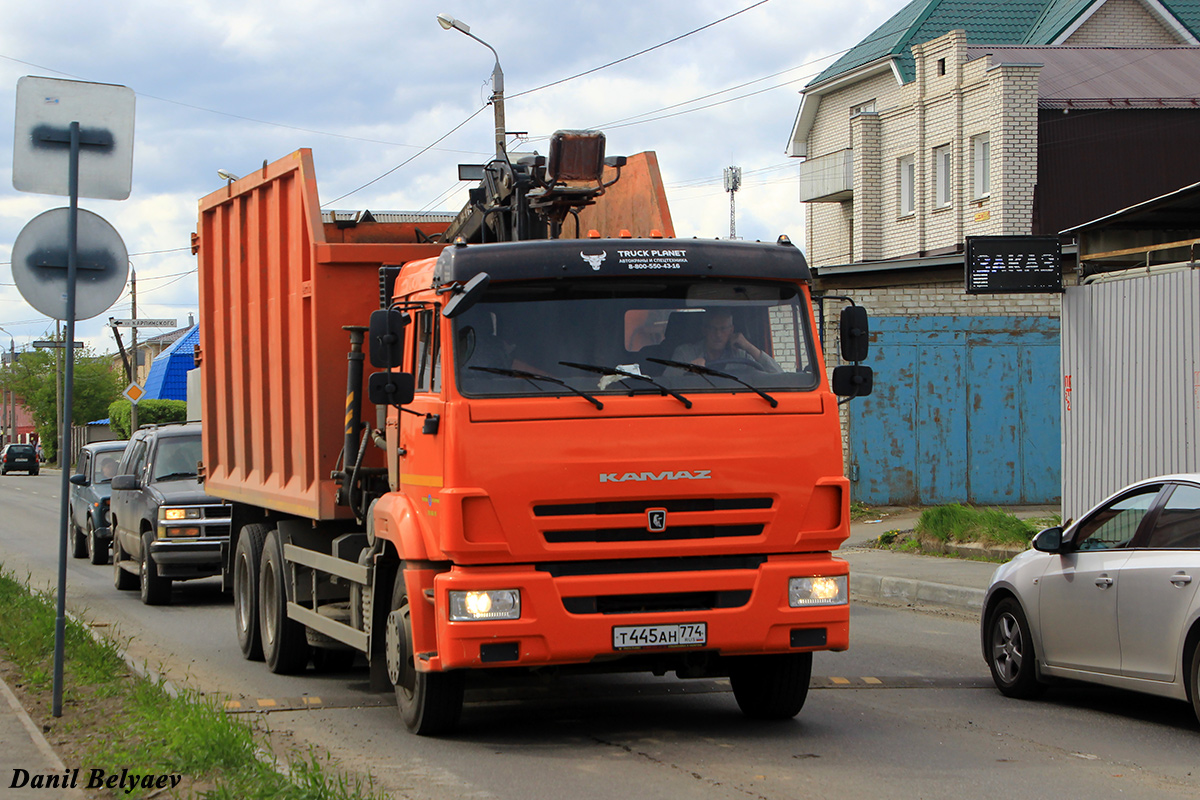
(165, 528)
(91, 486)
(1110, 599)
(19, 457)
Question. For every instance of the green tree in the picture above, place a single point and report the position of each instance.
(33, 378)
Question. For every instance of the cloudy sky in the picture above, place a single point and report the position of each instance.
(368, 84)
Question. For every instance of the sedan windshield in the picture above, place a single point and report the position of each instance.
(676, 337)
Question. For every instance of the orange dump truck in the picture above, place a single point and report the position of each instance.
(607, 454)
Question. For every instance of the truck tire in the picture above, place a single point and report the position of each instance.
(247, 563)
(430, 703)
(156, 590)
(97, 552)
(78, 543)
(771, 686)
(284, 645)
(122, 580)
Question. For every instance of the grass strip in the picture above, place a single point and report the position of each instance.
(115, 719)
(987, 526)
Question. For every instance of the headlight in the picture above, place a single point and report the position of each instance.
(178, 513)
(830, 591)
(492, 604)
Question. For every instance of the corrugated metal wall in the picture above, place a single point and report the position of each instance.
(1131, 384)
(964, 411)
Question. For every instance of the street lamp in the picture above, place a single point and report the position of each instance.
(497, 100)
(9, 431)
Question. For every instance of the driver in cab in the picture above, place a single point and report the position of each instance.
(723, 345)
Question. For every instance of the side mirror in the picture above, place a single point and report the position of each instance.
(125, 483)
(855, 333)
(79, 479)
(467, 296)
(853, 380)
(388, 389)
(386, 334)
(1049, 541)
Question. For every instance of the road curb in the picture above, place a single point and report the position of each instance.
(866, 586)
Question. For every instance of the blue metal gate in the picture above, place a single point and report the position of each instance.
(965, 410)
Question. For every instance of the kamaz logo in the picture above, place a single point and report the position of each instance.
(669, 475)
(593, 261)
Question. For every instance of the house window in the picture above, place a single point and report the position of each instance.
(941, 67)
(941, 176)
(863, 108)
(908, 185)
(981, 147)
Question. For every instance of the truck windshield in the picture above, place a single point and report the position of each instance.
(591, 334)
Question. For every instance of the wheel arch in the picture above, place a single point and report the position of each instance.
(1190, 644)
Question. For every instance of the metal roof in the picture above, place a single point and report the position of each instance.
(1179, 209)
(1107, 77)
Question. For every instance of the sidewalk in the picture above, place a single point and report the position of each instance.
(25, 748)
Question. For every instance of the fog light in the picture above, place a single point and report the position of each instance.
(826, 591)
(164, 532)
(491, 604)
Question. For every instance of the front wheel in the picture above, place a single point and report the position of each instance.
(430, 703)
(1011, 657)
(123, 580)
(771, 686)
(247, 563)
(285, 647)
(97, 551)
(156, 590)
(78, 542)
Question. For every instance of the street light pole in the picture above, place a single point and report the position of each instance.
(497, 99)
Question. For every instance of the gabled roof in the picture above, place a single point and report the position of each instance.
(168, 374)
(1012, 22)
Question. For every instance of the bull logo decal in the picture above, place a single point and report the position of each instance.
(593, 261)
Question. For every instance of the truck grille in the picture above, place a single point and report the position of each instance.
(642, 535)
(695, 527)
(641, 506)
(643, 603)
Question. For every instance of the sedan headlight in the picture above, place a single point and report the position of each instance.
(481, 605)
(825, 591)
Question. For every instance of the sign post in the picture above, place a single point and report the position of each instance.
(50, 120)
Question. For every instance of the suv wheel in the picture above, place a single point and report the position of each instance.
(156, 590)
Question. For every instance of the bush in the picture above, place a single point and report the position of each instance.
(958, 523)
(150, 412)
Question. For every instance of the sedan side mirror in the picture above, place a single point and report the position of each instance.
(125, 483)
(79, 479)
(1049, 540)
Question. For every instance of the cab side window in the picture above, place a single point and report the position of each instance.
(135, 459)
(84, 465)
(1178, 524)
(428, 359)
(1115, 525)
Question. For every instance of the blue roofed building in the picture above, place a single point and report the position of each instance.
(168, 372)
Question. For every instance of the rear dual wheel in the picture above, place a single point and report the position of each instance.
(247, 563)
(284, 644)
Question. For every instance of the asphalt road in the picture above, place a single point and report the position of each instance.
(909, 711)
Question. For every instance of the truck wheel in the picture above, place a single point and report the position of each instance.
(284, 645)
(122, 580)
(771, 686)
(97, 553)
(156, 590)
(1010, 651)
(430, 703)
(78, 543)
(247, 562)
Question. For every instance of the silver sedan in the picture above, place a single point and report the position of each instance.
(1110, 599)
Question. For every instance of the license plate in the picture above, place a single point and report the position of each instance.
(636, 637)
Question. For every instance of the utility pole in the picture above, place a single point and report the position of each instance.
(133, 420)
(733, 182)
(58, 387)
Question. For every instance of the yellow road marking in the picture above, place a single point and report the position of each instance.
(841, 681)
(266, 702)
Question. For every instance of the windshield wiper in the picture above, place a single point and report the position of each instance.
(699, 369)
(174, 475)
(533, 376)
(623, 373)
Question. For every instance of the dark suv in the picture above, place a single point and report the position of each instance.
(20, 457)
(165, 528)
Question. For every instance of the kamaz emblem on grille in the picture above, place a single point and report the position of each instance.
(594, 261)
(668, 475)
(656, 520)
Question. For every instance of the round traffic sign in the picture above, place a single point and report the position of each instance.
(39, 264)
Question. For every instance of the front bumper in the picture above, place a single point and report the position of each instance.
(194, 558)
(758, 620)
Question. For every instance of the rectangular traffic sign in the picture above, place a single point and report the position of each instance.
(142, 323)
